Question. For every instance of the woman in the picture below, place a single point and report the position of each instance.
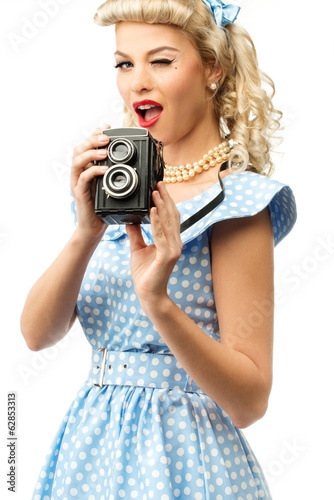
(178, 367)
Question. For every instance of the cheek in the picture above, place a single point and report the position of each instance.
(188, 83)
(125, 96)
(182, 92)
(122, 88)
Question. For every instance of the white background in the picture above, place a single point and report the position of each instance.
(57, 84)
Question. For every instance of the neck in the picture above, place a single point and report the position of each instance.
(192, 147)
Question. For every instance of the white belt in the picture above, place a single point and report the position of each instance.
(142, 369)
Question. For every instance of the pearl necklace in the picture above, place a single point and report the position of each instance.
(180, 173)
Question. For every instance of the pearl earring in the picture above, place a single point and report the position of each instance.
(213, 86)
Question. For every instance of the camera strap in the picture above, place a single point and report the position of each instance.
(209, 206)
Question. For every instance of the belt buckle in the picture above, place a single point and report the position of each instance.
(104, 351)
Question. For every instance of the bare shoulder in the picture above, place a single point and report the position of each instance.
(240, 231)
(243, 280)
(242, 252)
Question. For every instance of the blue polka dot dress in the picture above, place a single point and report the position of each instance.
(140, 427)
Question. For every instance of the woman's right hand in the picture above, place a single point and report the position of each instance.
(83, 173)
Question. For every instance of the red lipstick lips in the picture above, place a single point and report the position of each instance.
(148, 112)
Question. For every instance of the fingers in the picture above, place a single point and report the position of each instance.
(87, 153)
(165, 221)
(166, 209)
(95, 140)
(88, 175)
(135, 236)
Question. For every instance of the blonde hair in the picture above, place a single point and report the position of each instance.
(243, 101)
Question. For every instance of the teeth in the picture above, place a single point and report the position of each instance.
(146, 106)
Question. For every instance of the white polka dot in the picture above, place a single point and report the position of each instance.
(141, 433)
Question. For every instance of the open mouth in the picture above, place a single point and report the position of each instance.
(148, 112)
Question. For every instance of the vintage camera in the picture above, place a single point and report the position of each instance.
(123, 193)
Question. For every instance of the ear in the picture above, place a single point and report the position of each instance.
(213, 75)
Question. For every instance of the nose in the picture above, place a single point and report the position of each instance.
(141, 80)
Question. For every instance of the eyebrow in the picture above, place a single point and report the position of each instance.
(150, 52)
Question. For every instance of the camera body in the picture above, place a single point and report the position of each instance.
(135, 161)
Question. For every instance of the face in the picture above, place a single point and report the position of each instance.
(161, 80)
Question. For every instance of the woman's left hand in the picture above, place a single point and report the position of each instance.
(151, 265)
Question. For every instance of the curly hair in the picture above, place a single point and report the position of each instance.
(243, 101)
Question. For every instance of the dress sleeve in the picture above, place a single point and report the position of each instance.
(246, 194)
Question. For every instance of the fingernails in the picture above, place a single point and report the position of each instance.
(156, 194)
(102, 138)
(102, 152)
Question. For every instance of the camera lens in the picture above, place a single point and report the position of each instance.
(121, 150)
(120, 181)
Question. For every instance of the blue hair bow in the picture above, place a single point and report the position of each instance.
(223, 13)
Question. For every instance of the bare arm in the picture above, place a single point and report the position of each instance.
(237, 371)
(49, 311)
